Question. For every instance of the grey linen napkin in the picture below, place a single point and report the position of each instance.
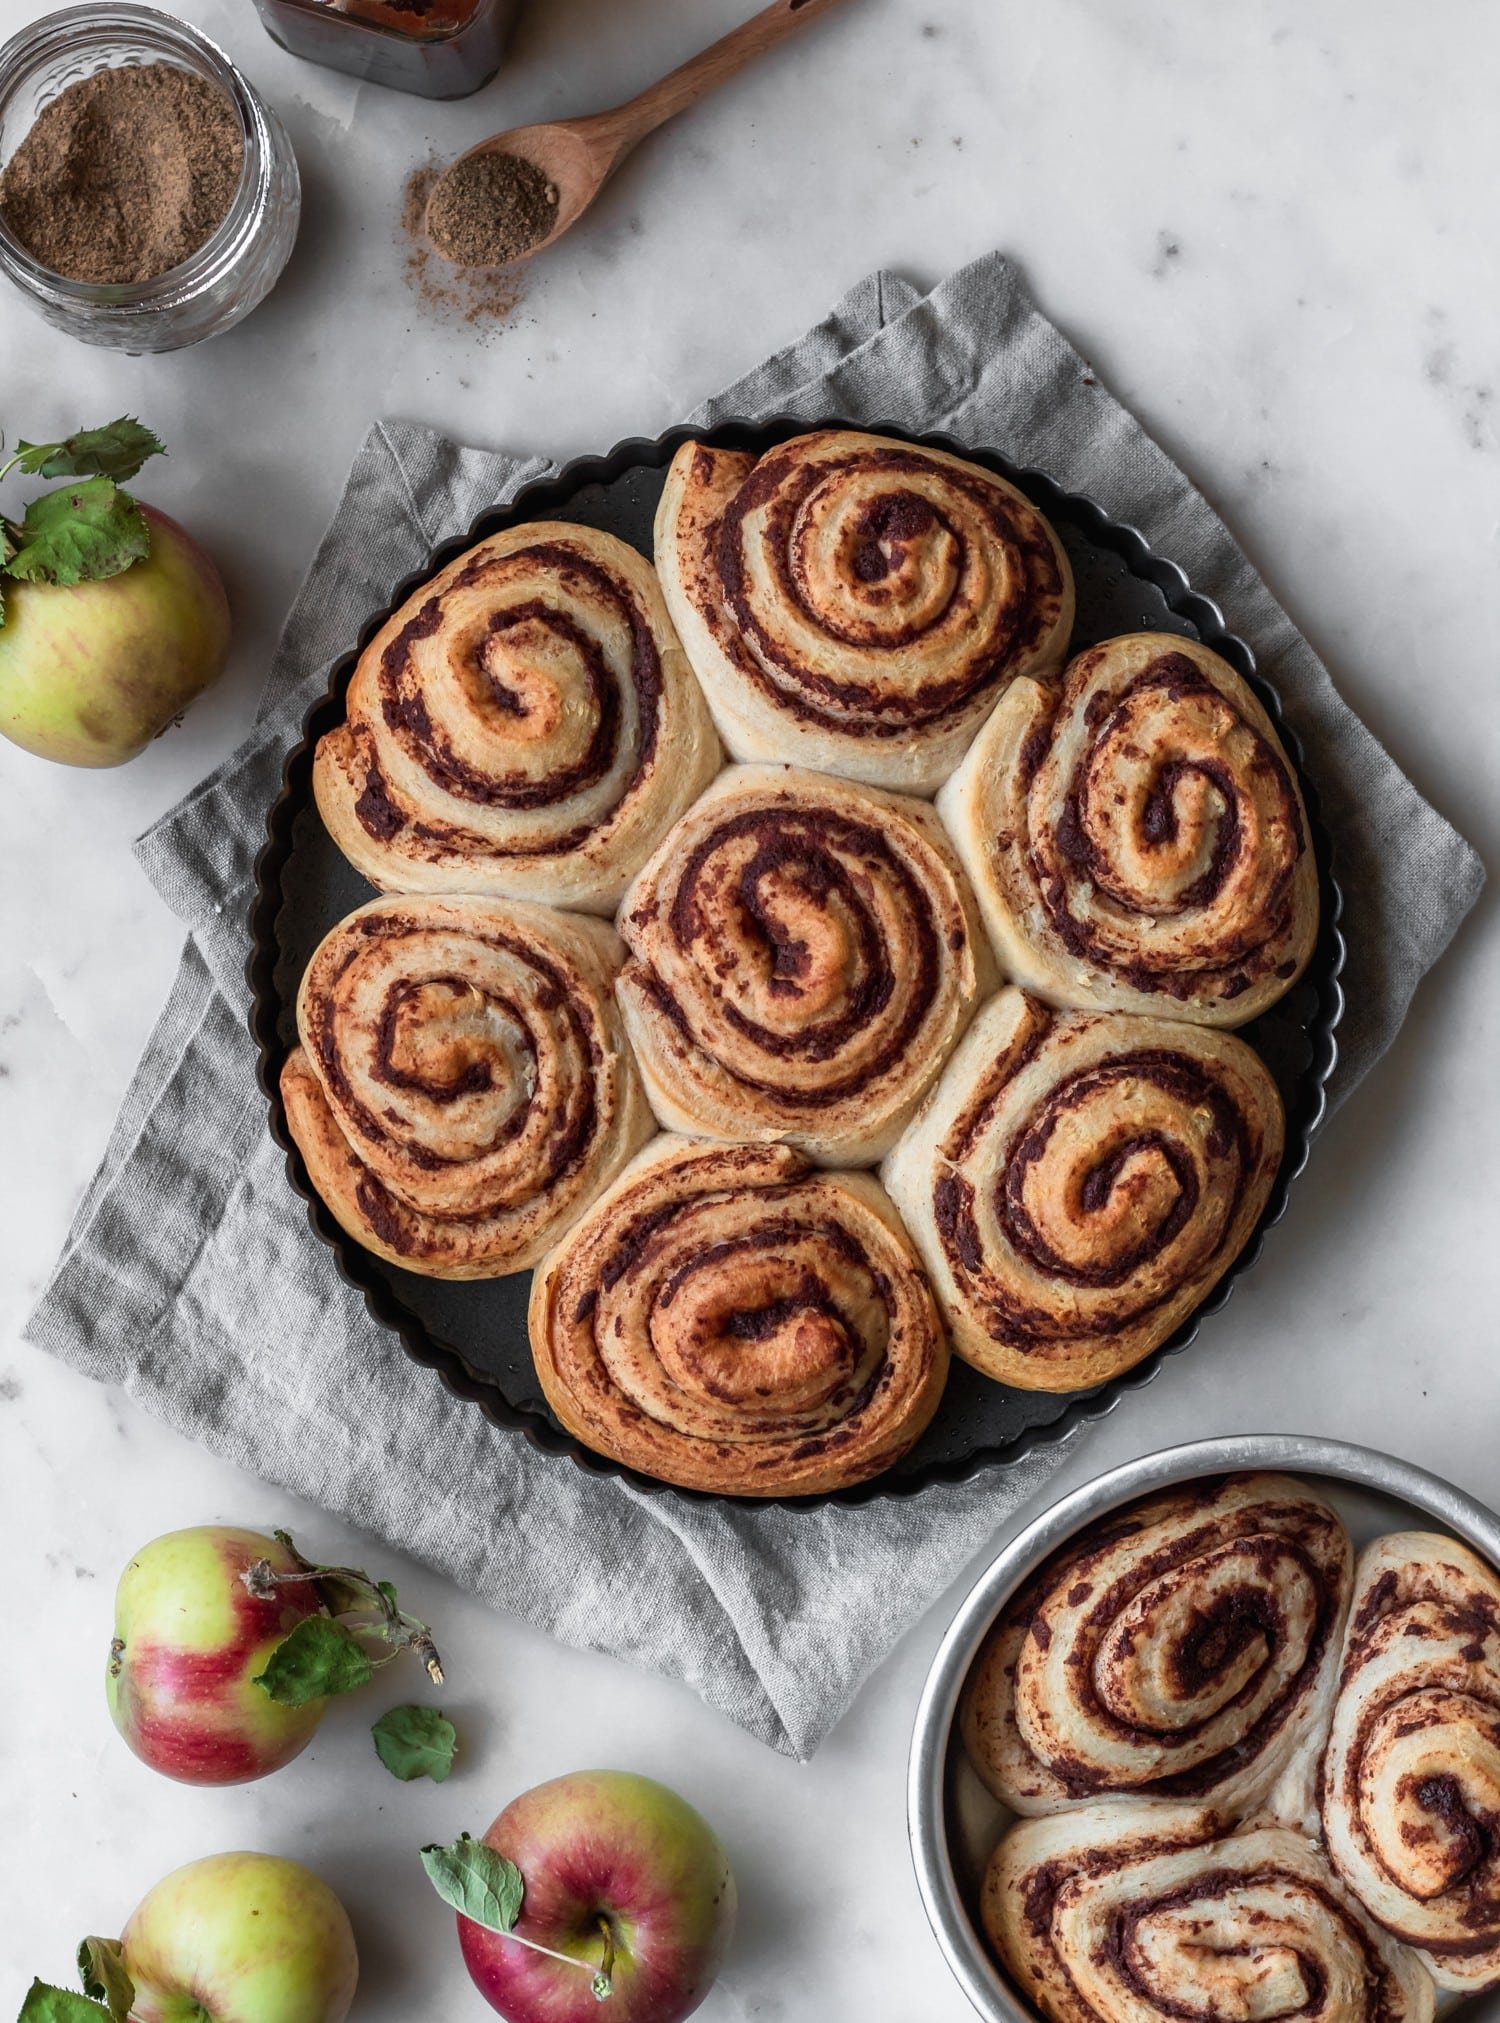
(192, 1278)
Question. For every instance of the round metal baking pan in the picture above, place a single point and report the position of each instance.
(953, 1821)
(474, 1335)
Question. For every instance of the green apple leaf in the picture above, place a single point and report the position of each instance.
(117, 451)
(476, 1880)
(82, 533)
(46, 2004)
(415, 1742)
(101, 1968)
(317, 1660)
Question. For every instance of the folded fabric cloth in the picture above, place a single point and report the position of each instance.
(192, 1278)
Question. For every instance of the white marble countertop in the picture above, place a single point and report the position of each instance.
(1272, 228)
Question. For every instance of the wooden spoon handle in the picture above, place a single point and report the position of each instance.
(703, 73)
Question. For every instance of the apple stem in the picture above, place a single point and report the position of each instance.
(569, 1959)
(604, 1979)
(347, 1592)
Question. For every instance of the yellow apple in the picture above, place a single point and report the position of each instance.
(92, 672)
(240, 1938)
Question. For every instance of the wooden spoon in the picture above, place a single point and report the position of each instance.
(578, 156)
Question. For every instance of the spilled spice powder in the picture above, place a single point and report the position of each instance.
(476, 296)
(490, 209)
(125, 174)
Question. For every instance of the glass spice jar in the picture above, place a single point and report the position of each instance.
(438, 48)
(237, 265)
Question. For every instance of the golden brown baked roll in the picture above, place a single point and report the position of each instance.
(856, 604)
(1138, 841)
(462, 1090)
(1185, 1648)
(525, 726)
(1078, 1183)
(1411, 1779)
(1138, 1914)
(729, 1318)
(804, 954)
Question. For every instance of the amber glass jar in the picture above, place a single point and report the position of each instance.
(440, 48)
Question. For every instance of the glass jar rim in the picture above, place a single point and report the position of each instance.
(207, 263)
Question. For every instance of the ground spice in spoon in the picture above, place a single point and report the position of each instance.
(486, 299)
(125, 174)
(490, 209)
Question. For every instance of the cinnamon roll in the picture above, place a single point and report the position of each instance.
(857, 604)
(1411, 1779)
(526, 726)
(1078, 1184)
(728, 1318)
(804, 955)
(1124, 1914)
(1137, 839)
(1183, 1649)
(462, 1090)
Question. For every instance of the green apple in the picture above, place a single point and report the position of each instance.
(190, 1642)
(92, 672)
(240, 1938)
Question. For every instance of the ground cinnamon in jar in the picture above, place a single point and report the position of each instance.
(125, 174)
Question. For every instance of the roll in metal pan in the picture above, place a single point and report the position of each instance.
(953, 1821)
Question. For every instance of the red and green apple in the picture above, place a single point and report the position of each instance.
(190, 1643)
(607, 1887)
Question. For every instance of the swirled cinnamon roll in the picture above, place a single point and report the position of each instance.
(525, 726)
(1137, 840)
(1182, 1649)
(804, 954)
(857, 604)
(1411, 1779)
(1077, 1184)
(729, 1318)
(462, 1090)
(1130, 1914)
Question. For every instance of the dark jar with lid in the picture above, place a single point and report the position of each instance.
(440, 48)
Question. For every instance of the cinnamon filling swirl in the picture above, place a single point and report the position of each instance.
(1186, 1649)
(803, 957)
(1138, 840)
(1112, 1916)
(502, 665)
(1079, 1183)
(461, 1089)
(1411, 1778)
(873, 551)
(525, 726)
(728, 1319)
(854, 604)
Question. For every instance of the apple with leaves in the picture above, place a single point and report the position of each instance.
(601, 1887)
(236, 1938)
(111, 617)
(228, 1645)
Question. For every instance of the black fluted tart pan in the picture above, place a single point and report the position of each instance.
(473, 1335)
